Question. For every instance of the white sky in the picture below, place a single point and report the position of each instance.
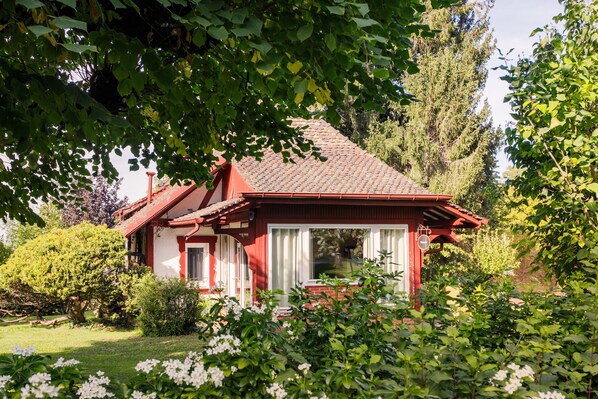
(512, 21)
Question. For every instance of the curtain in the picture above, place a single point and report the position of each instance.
(285, 255)
(393, 241)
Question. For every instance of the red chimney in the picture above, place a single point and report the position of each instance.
(150, 186)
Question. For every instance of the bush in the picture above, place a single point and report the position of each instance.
(118, 302)
(167, 306)
(364, 341)
(75, 265)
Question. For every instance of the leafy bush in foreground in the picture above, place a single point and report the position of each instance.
(167, 306)
(367, 341)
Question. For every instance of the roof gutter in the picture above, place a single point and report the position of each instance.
(390, 197)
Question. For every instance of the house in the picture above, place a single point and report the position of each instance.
(270, 225)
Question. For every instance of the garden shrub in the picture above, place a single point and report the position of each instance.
(367, 341)
(75, 265)
(167, 306)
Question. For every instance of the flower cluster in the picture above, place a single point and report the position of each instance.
(65, 363)
(24, 352)
(39, 387)
(549, 395)
(304, 367)
(4, 381)
(146, 366)
(192, 372)
(515, 381)
(141, 395)
(222, 344)
(233, 307)
(95, 387)
(276, 391)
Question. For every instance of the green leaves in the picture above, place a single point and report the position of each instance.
(304, 32)
(553, 145)
(69, 23)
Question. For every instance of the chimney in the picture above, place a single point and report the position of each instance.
(150, 186)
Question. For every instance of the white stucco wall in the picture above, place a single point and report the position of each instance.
(166, 250)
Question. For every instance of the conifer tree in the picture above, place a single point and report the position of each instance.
(444, 141)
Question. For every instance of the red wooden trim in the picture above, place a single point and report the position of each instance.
(217, 179)
(211, 241)
(149, 237)
(366, 196)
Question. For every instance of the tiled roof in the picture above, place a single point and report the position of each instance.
(210, 210)
(349, 169)
(162, 200)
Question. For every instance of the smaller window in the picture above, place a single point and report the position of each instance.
(198, 263)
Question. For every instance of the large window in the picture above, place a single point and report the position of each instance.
(334, 250)
(302, 253)
(198, 263)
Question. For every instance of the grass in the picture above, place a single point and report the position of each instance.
(114, 351)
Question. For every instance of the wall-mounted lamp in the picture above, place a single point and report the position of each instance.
(251, 215)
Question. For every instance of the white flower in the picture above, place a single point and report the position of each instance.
(95, 387)
(65, 363)
(40, 387)
(20, 351)
(304, 367)
(513, 385)
(549, 395)
(216, 376)
(141, 395)
(234, 308)
(222, 344)
(500, 375)
(4, 381)
(233, 369)
(276, 391)
(178, 371)
(146, 366)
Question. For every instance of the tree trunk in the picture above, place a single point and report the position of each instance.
(76, 309)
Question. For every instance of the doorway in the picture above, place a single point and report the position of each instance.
(235, 275)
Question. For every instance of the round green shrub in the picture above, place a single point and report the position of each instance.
(167, 306)
(75, 265)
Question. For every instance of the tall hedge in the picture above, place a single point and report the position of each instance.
(75, 265)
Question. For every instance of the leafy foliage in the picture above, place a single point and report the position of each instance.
(366, 341)
(554, 145)
(96, 206)
(178, 80)
(167, 306)
(75, 265)
(18, 233)
(445, 140)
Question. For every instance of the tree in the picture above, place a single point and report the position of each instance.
(178, 81)
(554, 144)
(444, 141)
(96, 206)
(76, 265)
(19, 233)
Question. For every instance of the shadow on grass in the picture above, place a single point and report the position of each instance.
(115, 351)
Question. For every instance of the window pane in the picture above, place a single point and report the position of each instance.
(285, 255)
(333, 251)
(195, 264)
(393, 241)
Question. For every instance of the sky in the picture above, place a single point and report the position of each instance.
(512, 21)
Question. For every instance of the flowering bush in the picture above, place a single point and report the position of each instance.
(360, 341)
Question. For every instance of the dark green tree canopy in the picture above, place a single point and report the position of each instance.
(445, 140)
(177, 80)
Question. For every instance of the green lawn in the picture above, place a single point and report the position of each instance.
(116, 352)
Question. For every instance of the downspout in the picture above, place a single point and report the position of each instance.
(198, 222)
(150, 186)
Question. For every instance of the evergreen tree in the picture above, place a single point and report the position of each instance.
(96, 206)
(444, 141)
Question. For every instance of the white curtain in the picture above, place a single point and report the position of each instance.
(393, 241)
(285, 255)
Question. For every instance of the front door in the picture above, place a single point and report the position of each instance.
(234, 270)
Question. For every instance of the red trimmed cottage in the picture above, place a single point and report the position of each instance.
(270, 225)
